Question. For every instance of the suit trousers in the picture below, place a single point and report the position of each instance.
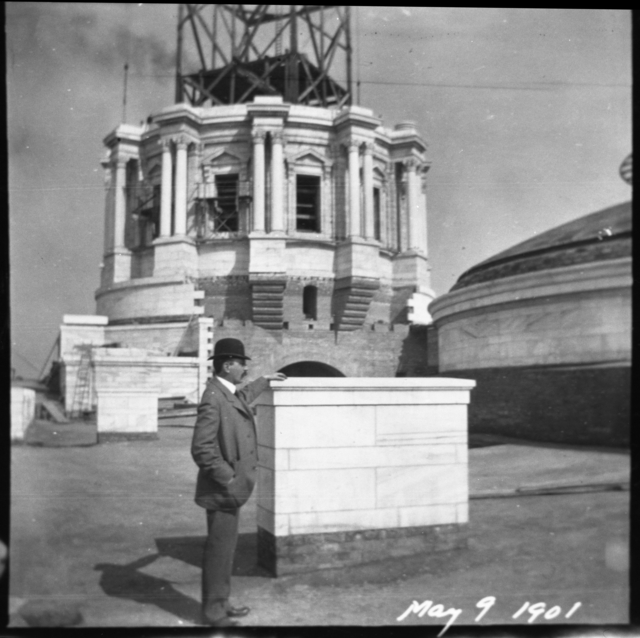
(222, 536)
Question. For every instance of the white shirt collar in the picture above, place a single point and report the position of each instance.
(227, 384)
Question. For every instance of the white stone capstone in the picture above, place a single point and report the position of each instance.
(398, 444)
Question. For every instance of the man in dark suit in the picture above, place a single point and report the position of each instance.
(225, 449)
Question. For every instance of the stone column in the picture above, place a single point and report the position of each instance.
(277, 182)
(180, 227)
(424, 241)
(166, 189)
(354, 189)
(258, 180)
(413, 205)
(120, 204)
(367, 169)
(108, 210)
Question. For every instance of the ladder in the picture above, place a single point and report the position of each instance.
(83, 389)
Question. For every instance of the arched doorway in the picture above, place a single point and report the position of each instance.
(310, 369)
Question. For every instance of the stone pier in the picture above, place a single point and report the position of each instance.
(354, 470)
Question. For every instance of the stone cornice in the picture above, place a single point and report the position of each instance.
(179, 114)
(142, 282)
(569, 280)
(357, 116)
(124, 133)
(268, 107)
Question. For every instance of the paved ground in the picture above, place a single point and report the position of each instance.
(111, 531)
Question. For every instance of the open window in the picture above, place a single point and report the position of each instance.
(376, 214)
(310, 302)
(148, 217)
(219, 210)
(223, 208)
(308, 203)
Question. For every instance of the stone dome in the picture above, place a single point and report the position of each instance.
(599, 236)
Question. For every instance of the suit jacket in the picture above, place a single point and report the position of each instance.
(224, 445)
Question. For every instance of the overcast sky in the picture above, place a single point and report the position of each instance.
(527, 114)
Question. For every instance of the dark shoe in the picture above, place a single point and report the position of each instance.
(225, 621)
(237, 612)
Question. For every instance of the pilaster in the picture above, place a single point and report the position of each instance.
(413, 205)
(353, 147)
(167, 187)
(180, 222)
(367, 174)
(277, 182)
(259, 136)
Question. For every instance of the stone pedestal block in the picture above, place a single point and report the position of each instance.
(360, 469)
(127, 414)
(23, 410)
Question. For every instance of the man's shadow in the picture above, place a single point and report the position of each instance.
(125, 581)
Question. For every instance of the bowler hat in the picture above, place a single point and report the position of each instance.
(231, 348)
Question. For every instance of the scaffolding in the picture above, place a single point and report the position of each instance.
(234, 53)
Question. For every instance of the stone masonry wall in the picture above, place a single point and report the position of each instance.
(304, 552)
(584, 405)
(374, 351)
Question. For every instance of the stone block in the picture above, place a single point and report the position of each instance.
(421, 485)
(324, 426)
(324, 490)
(427, 515)
(356, 258)
(270, 458)
(378, 456)
(278, 526)
(266, 488)
(462, 512)
(354, 462)
(127, 412)
(266, 424)
(355, 519)
(420, 424)
(266, 254)
(462, 453)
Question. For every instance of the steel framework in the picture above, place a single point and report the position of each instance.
(236, 50)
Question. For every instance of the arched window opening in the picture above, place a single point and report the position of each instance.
(310, 302)
(311, 369)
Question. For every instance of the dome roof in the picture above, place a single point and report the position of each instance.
(605, 234)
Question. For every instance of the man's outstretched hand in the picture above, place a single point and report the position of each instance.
(276, 376)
